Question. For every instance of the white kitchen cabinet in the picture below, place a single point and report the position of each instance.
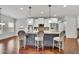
(38, 21)
(30, 21)
(54, 20)
(46, 23)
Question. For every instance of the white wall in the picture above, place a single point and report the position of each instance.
(71, 26)
(77, 21)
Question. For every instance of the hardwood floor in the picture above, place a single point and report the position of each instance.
(71, 46)
(47, 50)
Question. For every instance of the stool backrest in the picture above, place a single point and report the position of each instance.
(40, 35)
(61, 35)
(21, 35)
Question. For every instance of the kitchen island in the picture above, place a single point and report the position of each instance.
(48, 37)
(8, 42)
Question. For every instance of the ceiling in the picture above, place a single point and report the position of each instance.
(39, 10)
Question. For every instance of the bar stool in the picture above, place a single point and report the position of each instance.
(58, 41)
(22, 38)
(39, 40)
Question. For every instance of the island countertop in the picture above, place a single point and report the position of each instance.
(45, 32)
(7, 35)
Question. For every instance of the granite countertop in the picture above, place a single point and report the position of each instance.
(45, 32)
(7, 35)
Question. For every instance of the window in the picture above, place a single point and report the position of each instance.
(11, 25)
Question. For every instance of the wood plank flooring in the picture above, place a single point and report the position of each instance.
(71, 46)
(47, 50)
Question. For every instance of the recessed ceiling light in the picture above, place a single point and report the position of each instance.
(29, 22)
(21, 8)
(65, 5)
(55, 15)
(42, 12)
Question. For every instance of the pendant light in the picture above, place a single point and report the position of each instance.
(29, 11)
(0, 18)
(29, 17)
(30, 21)
(49, 13)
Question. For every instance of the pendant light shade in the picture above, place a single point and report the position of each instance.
(49, 11)
(29, 17)
(29, 11)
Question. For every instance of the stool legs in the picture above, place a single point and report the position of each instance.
(53, 44)
(59, 45)
(63, 45)
(24, 43)
(37, 45)
(42, 45)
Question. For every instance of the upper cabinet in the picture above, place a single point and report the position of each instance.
(46, 23)
(30, 21)
(53, 20)
(38, 21)
(30, 24)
